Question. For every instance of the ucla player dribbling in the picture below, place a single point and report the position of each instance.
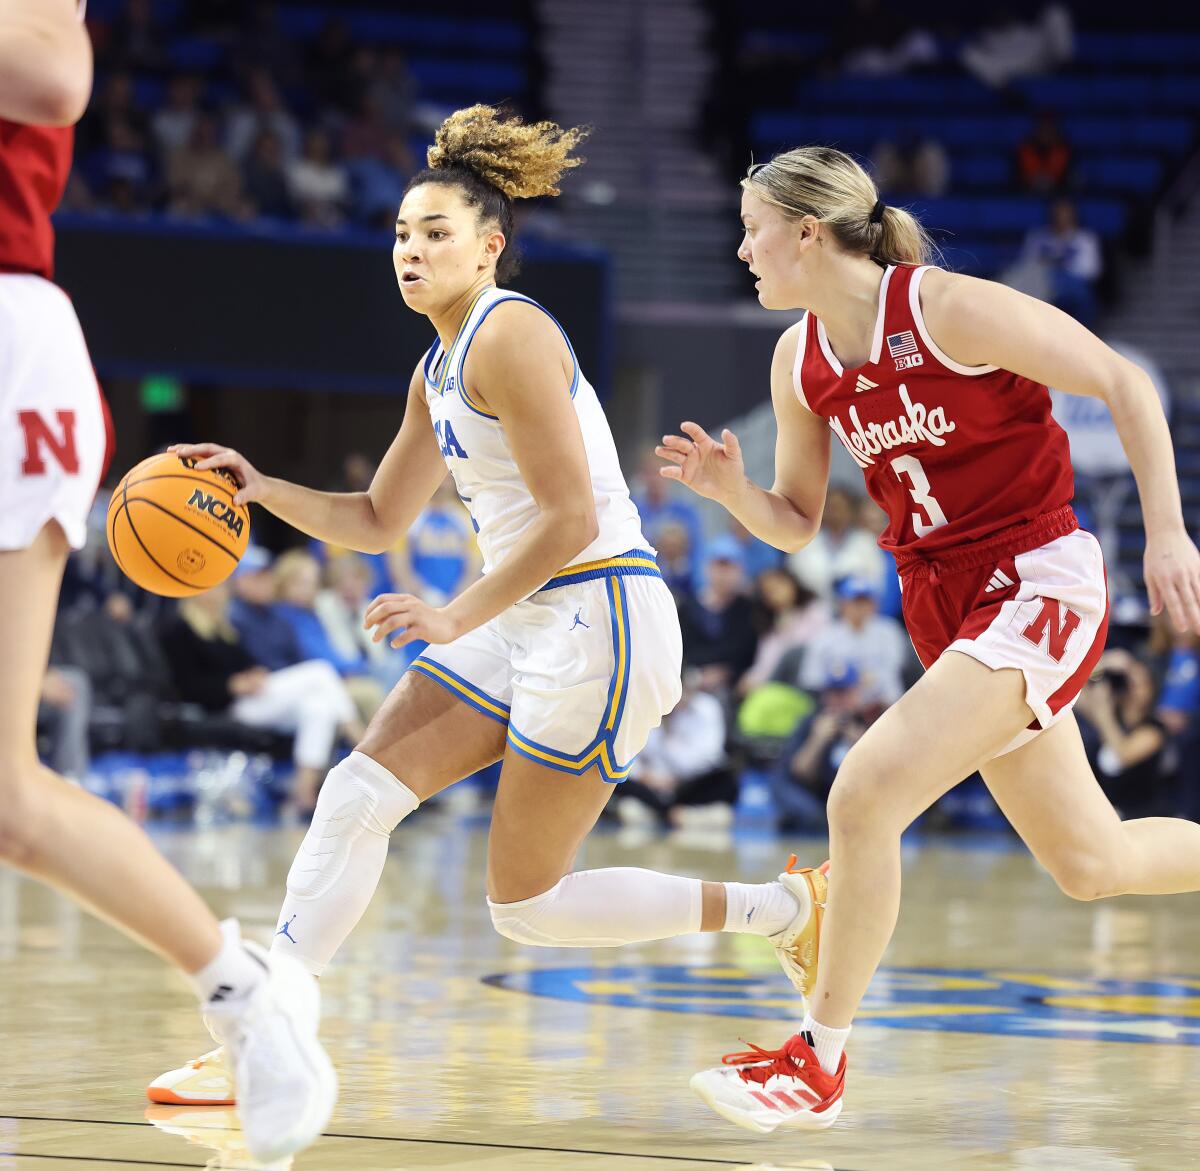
(559, 660)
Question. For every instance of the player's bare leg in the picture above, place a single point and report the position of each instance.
(90, 850)
(953, 720)
(62, 834)
(1048, 791)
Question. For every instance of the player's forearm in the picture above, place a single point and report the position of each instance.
(347, 519)
(549, 545)
(771, 517)
(45, 63)
(1146, 438)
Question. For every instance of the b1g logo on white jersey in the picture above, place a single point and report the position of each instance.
(917, 425)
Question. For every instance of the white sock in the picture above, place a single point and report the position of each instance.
(232, 974)
(764, 908)
(827, 1043)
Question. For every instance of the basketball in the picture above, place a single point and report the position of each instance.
(174, 530)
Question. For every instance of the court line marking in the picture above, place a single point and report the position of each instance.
(388, 1138)
(101, 1159)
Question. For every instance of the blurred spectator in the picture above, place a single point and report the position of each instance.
(175, 120)
(120, 169)
(115, 103)
(914, 165)
(358, 471)
(330, 72)
(438, 557)
(841, 548)
(1179, 700)
(365, 134)
(682, 776)
(263, 44)
(808, 763)
(876, 39)
(872, 519)
(267, 635)
(790, 615)
(201, 178)
(341, 607)
(1130, 752)
(660, 503)
(392, 90)
(267, 186)
(1044, 158)
(318, 184)
(297, 581)
(261, 109)
(64, 711)
(718, 622)
(213, 669)
(757, 556)
(379, 182)
(676, 559)
(1071, 259)
(135, 40)
(862, 638)
(1009, 46)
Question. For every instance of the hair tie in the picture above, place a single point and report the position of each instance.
(876, 216)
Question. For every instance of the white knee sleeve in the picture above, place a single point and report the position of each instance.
(340, 861)
(603, 908)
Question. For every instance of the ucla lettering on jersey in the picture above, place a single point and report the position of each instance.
(473, 444)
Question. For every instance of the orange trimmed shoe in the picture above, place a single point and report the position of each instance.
(798, 944)
(207, 1081)
(764, 1089)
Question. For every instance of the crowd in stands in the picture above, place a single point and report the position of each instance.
(788, 659)
(263, 126)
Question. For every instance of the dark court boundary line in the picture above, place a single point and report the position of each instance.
(101, 1159)
(388, 1138)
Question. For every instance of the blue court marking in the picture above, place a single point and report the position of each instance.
(1165, 1011)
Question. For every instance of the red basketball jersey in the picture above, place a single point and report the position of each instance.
(951, 453)
(34, 164)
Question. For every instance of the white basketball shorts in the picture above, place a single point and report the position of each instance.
(55, 431)
(580, 672)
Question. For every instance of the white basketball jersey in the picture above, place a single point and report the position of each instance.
(477, 453)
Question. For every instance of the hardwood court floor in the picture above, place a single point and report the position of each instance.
(1014, 1029)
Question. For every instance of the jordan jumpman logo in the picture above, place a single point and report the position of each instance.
(579, 622)
(284, 929)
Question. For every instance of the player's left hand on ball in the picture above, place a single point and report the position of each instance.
(1172, 570)
(417, 620)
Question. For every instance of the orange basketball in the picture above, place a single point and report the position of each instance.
(175, 530)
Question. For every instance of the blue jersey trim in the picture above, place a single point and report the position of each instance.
(635, 563)
(462, 688)
(461, 359)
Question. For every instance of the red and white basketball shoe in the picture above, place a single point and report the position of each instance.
(767, 1088)
(798, 944)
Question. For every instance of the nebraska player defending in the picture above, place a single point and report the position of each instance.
(53, 436)
(936, 385)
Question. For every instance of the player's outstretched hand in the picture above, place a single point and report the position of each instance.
(252, 484)
(417, 620)
(1171, 566)
(709, 468)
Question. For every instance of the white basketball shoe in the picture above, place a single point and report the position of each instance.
(285, 1084)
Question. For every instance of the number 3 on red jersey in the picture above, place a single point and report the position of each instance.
(910, 466)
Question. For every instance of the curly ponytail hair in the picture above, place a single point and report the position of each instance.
(491, 158)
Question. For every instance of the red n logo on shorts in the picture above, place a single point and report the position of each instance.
(38, 435)
(1052, 622)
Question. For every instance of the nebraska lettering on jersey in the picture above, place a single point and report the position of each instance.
(39, 437)
(917, 425)
(951, 453)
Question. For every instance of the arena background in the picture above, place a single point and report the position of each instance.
(226, 239)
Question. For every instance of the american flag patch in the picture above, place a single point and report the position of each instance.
(900, 344)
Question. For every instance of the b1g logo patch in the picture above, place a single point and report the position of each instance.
(907, 363)
(1024, 1004)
